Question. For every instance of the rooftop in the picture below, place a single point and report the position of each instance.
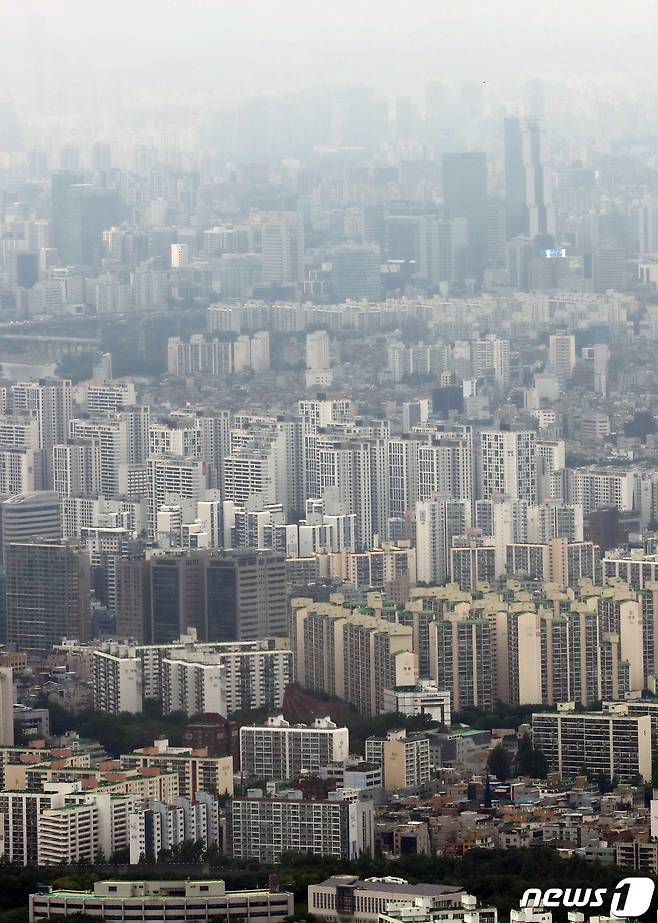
(397, 886)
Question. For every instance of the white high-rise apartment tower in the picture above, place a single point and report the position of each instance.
(562, 355)
(508, 464)
(437, 521)
(648, 224)
(317, 350)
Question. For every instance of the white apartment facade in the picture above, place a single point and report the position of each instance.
(279, 750)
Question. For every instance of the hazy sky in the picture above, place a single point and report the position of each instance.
(245, 47)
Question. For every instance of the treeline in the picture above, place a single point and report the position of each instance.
(501, 716)
(496, 877)
(121, 733)
(528, 761)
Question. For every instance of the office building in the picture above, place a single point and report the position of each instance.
(133, 598)
(129, 900)
(81, 212)
(353, 898)
(176, 595)
(356, 272)
(425, 698)
(465, 196)
(101, 156)
(528, 180)
(609, 267)
(283, 249)
(246, 596)
(6, 707)
(26, 517)
(48, 594)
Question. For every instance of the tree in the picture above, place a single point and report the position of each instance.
(530, 761)
(499, 763)
(120, 856)
(524, 756)
(76, 366)
(540, 764)
(604, 783)
(189, 852)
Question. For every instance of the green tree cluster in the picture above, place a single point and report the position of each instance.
(121, 733)
(530, 760)
(495, 877)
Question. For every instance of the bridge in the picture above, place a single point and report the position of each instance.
(47, 345)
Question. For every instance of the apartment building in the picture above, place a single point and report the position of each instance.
(592, 488)
(117, 682)
(404, 758)
(192, 686)
(20, 811)
(462, 658)
(83, 829)
(196, 771)
(194, 677)
(508, 464)
(614, 743)
(160, 825)
(350, 653)
(279, 750)
(264, 828)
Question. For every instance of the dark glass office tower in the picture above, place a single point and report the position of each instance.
(465, 196)
(48, 594)
(81, 212)
(177, 595)
(246, 596)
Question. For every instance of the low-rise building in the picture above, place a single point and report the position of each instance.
(163, 900)
(349, 898)
(425, 698)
